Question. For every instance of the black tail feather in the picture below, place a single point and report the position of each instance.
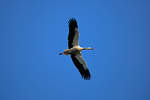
(61, 53)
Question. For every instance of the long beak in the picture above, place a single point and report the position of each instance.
(90, 48)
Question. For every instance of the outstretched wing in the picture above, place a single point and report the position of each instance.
(81, 65)
(73, 38)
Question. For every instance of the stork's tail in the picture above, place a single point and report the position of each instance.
(61, 53)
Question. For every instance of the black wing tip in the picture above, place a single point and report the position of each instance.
(73, 23)
(86, 75)
(84, 72)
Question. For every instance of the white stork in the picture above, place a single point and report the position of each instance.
(75, 50)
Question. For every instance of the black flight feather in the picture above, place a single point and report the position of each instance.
(84, 72)
(72, 25)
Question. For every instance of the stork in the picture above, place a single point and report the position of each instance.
(75, 50)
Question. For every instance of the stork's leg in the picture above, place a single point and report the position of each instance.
(65, 52)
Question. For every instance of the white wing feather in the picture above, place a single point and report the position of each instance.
(80, 59)
(76, 38)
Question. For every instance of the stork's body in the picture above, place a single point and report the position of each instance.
(75, 50)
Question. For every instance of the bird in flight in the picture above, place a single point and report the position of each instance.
(75, 50)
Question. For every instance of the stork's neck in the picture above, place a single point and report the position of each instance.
(88, 48)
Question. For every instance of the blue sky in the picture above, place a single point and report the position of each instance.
(33, 32)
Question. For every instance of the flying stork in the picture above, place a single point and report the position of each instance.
(75, 50)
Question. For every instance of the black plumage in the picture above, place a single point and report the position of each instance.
(72, 26)
(84, 72)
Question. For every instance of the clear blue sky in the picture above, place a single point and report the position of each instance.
(33, 32)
